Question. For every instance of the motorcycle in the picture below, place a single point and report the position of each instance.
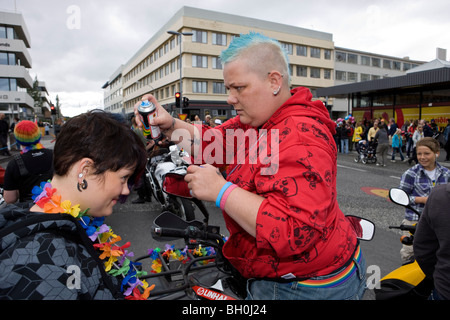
(161, 163)
(210, 276)
(408, 281)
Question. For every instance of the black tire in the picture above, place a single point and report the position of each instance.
(183, 208)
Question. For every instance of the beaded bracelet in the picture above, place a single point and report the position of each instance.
(225, 196)
(219, 196)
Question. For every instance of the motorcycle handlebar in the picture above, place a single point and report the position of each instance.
(190, 232)
(404, 227)
(170, 232)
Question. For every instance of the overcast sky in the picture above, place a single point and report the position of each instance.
(76, 45)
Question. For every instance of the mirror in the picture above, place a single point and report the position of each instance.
(399, 196)
(174, 184)
(365, 229)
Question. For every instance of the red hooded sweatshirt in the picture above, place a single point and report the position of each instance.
(300, 230)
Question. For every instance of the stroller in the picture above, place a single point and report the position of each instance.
(366, 151)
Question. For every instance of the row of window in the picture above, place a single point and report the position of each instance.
(8, 58)
(220, 39)
(353, 76)
(198, 36)
(373, 61)
(7, 33)
(8, 84)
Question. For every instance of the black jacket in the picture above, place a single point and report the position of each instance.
(49, 256)
(432, 239)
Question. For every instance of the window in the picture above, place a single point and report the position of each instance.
(199, 36)
(219, 87)
(352, 58)
(341, 56)
(365, 77)
(287, 47)
(7, 58)
(327, 73)
(302, 71)
(352, 76)
(341, 75)
(387, 64)
(216, 63)
(3, 58)
(376, 62)
(7, 33)
(199, 61)
(7, 84)
(396, 65)
(219, 39)
(302, 50)
(315, 73)
(327, 54)
(199, 86)
(365, 60)
(406, 66)
(315, 52)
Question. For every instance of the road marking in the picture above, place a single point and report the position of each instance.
(399, 178)
(341, 166)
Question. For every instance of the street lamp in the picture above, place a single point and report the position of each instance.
(179, 34)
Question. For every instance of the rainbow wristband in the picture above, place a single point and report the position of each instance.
(221, 192)
(225, 196)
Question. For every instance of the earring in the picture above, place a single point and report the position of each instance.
(277, 91)
(83, 185)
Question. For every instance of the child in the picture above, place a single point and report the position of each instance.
(397, 145)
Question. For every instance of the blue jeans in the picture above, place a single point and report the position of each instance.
(344, 145)
(352, 289)
(399, 150)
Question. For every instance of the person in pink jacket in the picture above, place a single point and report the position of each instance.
(288, 236)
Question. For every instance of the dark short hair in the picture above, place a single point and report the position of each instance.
(97, 135)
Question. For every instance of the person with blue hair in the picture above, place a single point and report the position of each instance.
(288, 237)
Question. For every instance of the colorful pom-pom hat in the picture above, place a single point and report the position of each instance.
(27, 133)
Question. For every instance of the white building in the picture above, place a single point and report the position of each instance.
(15, 61)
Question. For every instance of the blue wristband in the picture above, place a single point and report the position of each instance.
(219, 196)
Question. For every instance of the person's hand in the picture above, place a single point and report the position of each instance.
(163, 120)
(204, 181)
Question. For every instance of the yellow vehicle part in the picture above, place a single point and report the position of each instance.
(409, 273)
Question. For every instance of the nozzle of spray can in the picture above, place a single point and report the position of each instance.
(147, 111)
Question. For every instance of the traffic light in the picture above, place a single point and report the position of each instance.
(185, 102)
(53, 110)
(177, 99)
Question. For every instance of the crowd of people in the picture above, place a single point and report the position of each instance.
(288, 237)
(389, 138)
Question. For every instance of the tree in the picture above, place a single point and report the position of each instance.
(35, 93)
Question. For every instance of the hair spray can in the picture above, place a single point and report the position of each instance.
(147, 110)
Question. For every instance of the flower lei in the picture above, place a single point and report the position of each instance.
(118, 264)
(46, 198)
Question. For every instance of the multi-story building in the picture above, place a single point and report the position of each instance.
(356, 66)
(113, 94)
(155, 68)
(15, 61)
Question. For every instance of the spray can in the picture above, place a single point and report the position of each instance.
(147, 111)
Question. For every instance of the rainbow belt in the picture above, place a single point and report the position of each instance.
(337, 279)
